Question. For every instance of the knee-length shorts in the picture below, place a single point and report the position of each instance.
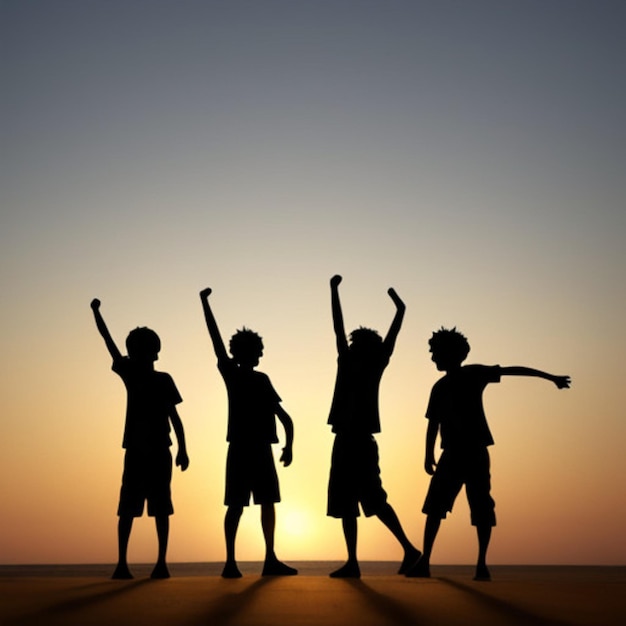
(355, 477)
(455, 469)
(147, 477)
(250, 470)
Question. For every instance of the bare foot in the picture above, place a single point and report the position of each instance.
(411, 557)
(482, 573)
(122, 572)
(349, 570)
(231, 570)
(278, 568)
(420, 570)
(160, 571)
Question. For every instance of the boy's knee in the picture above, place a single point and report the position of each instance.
(234, 510)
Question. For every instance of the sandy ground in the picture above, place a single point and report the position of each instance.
(537, 596)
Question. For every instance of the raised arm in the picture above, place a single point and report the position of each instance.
(287, 455)
(340, 332)
(394, 329)
(562, 382)
(216, 338)
(116, 355)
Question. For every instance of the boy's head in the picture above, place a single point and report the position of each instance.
(365, 342)
(246, 346)
(143, 344)
(449, 348)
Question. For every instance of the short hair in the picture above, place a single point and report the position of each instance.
(142, 342)
(450, 343)
(245, 343)
(365, 340)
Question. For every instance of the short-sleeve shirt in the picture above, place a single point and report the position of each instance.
(355, 400)
(150, 398)
(456, 404)
(252, 403)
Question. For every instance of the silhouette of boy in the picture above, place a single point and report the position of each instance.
(253, 405)
(151, 405)
(455, 411)
(354, 416)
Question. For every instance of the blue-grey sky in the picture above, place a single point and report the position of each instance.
(471, 154)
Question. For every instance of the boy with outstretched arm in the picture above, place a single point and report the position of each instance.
(253, 405)
(354, 416)
(455, 412)
(151, 406)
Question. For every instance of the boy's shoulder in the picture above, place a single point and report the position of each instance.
(468, 372)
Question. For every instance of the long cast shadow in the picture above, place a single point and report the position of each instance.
(223, 610)
(511, 615)
(392, 610)
(75, 604)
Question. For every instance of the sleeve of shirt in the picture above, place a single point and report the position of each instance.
(173, 393)
(120, 366)
(273, 394)
(494, 373)
(431, 413)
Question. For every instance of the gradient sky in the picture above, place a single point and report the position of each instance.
(470, 154)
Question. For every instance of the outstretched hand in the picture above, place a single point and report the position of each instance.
(287, 456)
(205, 293)
(562, 382)
(396, 298)
(95, 304)
(335, 280)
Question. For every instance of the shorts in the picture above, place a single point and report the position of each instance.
(455, 469)
(355, 477)
(147, 476)
(250, 469)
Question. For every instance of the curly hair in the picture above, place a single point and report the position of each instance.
(365, 340)
(142, 342)
(450, 343)
(245, 343)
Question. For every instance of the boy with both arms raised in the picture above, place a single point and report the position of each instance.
(354, 417)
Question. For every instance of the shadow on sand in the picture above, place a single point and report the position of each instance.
(510, 614)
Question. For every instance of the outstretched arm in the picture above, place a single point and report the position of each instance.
(182, 459)
(287, 456)
(216, 338)
(340, 332)
(104, 331)
(394, 329)
(562, 382)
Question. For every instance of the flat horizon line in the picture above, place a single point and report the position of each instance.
(321, 568)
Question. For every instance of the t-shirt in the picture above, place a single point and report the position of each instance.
(456, 403)
(150, 398)
(252, 402)
(355, 400)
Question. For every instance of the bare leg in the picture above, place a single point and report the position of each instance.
(272, 566)
(389, 518)
(124, 526)
(484, 536)
(351, 567)
(163, 530)
(422, 568)
(231, 524)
